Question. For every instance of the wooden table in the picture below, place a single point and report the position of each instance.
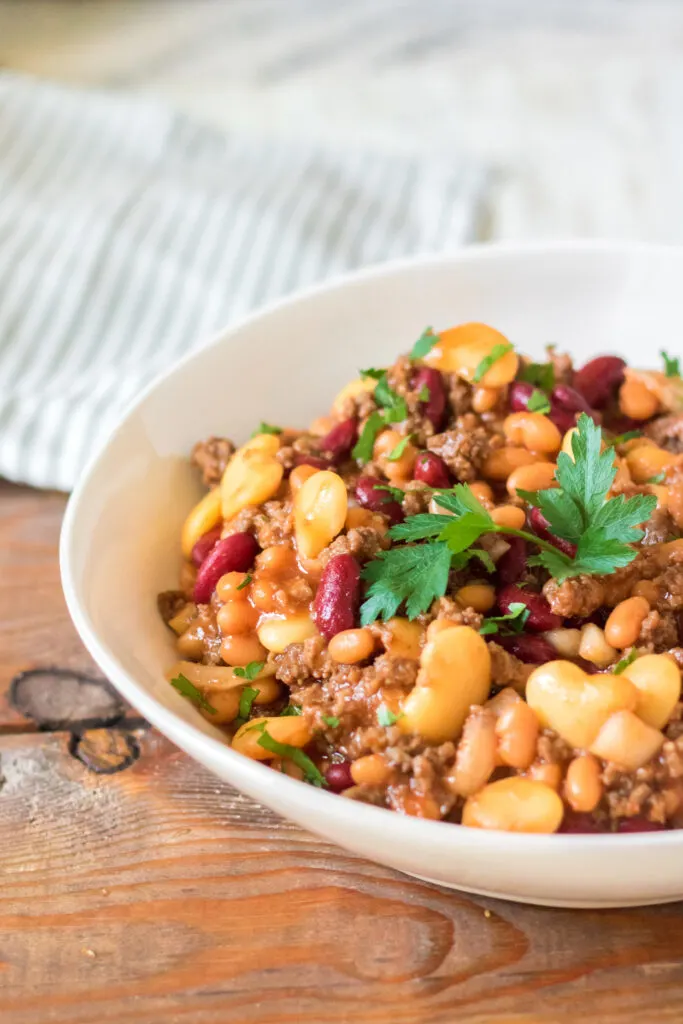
(138, 888)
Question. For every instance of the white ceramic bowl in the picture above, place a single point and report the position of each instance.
(120, 537)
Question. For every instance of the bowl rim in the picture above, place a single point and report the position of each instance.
(404, 828)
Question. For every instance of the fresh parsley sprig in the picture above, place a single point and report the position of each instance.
(249, 671)
(311, 772)
(424, 344)
(393, 410)
(509, 624)
(541, 375)
(672, 366)
(496, 353)
(183, 685)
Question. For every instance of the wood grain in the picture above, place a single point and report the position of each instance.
(158, 895)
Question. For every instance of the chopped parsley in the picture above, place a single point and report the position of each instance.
(311, 772)
(538, 402)
(249, 671)
(603, 530)
(630, 435)
(511, 623)
(424, 344)
(622, 665)
(393, 410)
(393, 493)
(385, 717)
(291, 711)
(331, 720)
(659, 478)
(247, 698)
(183, 685)
(400, 448)
(671, 365)
(424, 394)
(541, 375)
(496, 353)
(266, 428)
(245, 582)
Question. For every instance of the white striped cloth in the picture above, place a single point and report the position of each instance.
(128, 234)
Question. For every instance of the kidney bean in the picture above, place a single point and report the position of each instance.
(639, 824)
(205, 544)
(562, 418)
(341, 439)
(599, 379)
(430, 469)
(541, 527)
(435, 406)
(370, 495)
(338, 596)
(570, 399)
(541, 618)
(510, 567)
(232, 554)
(338, 777)
(588, 667)
(580, 823)
(519, 394)
(317, 461)
(533, 650)
(623, 424)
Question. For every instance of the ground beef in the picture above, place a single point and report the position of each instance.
(506, 669)
(659, 631)
(667, 432)
(272, 523)
(211, 457)
(363, 542)
(416, 499)
(305, 444)
(562, 365)
(170, 603)
(650, 790)
(459, 395)
(465, 446)
(577, 597)
(660, 527)
(449, 609)
(205, 628)
(552, 749)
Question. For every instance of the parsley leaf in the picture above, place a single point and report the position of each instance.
(622, 665)
(372, 374)
(415, 574)
(538, 402)
(291, 711)
(422, 526)
(541, 375)
(247, 697)
(513, 622)
(266, 428)
(658, 478)
(496, 353)
(249, 671)
(385, 717)
(245, 582)
(671, 365)
(424, 344)
(331, 720)
(393, 410)
(424, 394)
(362, 449)
(398, 451)
(393, 493)
(630, 435)
(311, 772)
(183, 685)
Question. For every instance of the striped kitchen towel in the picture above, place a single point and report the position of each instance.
(128, 234)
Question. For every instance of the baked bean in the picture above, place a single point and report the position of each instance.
(236, 617)
(278, 559)
(475, 758)
(648, 590)
(252, 476)
(627, 741)
(484, 399)
(228, 587)
(291, 730)
(404, 638)
(190, 644)
(235, 553)
(482, 491)
(534, 431)
(657, 679)
(339, 441)
(539, 476)
(299, 476)
(622, 628)
(397, 469)
(540, 618)
(594, 647)
(182, 621)
(647, 461)
(241, 649)
(514, 805)
(321, 426)
(356, 517)
(661, 493)
(455, 672)
(567, 442)
(355, 388)
(480, 596)
(582, 785)
(435, 407)
(201, 520)
(430, 469)
(319, 512)
(278, 632)
(546, 772)
(461, 350)
(338, 596)
(263, 593)
(636, 400)
(516, 734)
(509, 515)
(371, 770)
(351, 645)
(574, 704)
(599, 379)
(566, 642)
(501, 462)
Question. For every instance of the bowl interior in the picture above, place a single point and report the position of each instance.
(120, 543)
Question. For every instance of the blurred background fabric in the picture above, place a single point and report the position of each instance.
(193, 158)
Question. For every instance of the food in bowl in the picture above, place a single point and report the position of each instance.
(458, 595)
